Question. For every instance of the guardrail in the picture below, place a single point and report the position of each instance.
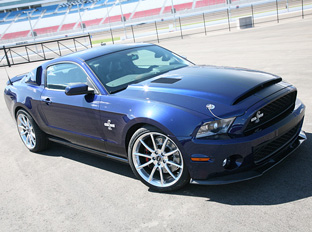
(40, 51)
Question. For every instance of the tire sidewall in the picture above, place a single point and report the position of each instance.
(184, 179)
(41, 141)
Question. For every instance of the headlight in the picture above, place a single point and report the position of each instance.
(214, 128)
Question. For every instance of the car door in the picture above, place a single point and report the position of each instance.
(73, 118)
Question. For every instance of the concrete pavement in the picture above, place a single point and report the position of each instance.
(63, 189)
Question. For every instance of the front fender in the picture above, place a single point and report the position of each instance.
(174, 122)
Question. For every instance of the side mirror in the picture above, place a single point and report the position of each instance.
(78, 89)
(134, 57)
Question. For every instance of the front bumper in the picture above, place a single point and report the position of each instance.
(214, 172)
(258, 171)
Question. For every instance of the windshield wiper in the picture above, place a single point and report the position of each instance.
(183, 66)
(119, 90)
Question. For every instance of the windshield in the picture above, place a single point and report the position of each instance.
(118, 70)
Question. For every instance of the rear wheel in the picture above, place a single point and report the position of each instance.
(156, 160)
(33, 138)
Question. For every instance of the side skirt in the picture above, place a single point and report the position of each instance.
(95, 152)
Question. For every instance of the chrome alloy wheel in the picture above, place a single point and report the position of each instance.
(157, 159)
(26, 131)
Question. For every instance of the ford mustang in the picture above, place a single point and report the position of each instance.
(172, 121)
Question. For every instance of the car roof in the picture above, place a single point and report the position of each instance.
(103, 50)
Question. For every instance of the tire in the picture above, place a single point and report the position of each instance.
(156, 160)
(33, 138)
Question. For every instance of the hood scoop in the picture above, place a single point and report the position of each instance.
(256, 89)
(166, 80)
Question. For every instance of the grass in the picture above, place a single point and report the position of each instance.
(104, 40)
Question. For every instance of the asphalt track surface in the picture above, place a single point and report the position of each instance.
(63, 189)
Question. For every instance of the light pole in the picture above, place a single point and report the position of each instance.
(31, 29)
(109, 23)
(76, 3)
(107, 15)
(174, 17)
(123, 19)
(229, 7)
(81, 25)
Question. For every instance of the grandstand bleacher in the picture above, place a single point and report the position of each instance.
(179, 7)
(50, 9)
(46, 30)
(12, 35)
(3, 16)
(146, 13)
(65, 17)
(68, 26)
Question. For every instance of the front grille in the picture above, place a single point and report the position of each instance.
(272, 113)
(266, 150)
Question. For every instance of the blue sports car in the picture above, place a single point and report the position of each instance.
(172, 121)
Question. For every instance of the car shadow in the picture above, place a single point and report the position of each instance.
(289, 181)
(58, 150)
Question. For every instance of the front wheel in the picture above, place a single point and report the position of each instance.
(156, 160)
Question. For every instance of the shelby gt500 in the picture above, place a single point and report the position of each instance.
(172, 121)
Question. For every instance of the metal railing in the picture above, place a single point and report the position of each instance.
(225, 18)
(40, 51)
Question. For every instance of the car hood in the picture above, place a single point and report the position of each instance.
(231, 90)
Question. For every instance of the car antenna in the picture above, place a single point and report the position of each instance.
(8, 76)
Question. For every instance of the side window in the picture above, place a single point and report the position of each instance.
(38, 75)
(59, 76)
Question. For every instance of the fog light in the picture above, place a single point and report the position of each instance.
(225, 162)
(232, 162)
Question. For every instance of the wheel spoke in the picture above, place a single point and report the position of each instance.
(164, 145)
(33, 134)
(32, 140)
(143, 155)
(169, 171)
(171, 152)
(147, 147)
(26, 130)
(174, 164)
(23, 133)
(152, 174)
(157, 159)
(161, 176)
(28, 139)
(153, 141)
(21, 126)
(22, 120)
(27, 123)
(145, 164)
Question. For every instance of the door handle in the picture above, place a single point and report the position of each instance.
(48, 101)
